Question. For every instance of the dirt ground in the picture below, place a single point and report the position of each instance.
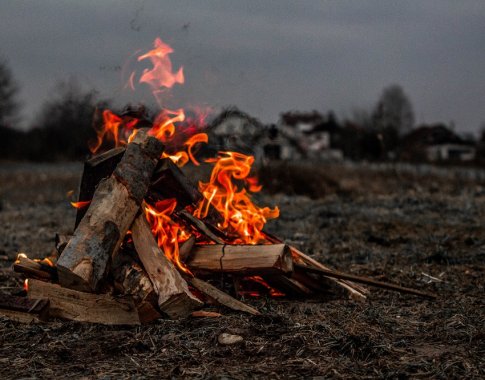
(415, 230)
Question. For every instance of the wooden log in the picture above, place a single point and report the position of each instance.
(131, 279)
(221, 297)
(35, 269)
(86, 258)
(186, 248)
(174, 296)
(354, 291)
(200, 226)
(170, 182)
(242, 259)
(85, 307)
(288, 285)
(95, 169)
(23, 309)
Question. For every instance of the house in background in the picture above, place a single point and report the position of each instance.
(235, 130)
(436, 143)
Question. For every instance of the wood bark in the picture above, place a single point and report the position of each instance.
(85, 260)
(85, 307)
(174, 296)
(220, 297)
(241, 259)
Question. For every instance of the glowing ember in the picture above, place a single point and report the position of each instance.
(234, 203)
(26, 285)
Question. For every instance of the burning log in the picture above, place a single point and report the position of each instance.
(24, 310)
(34, 269)
(85, 260)
(288, 285)
(85, 307)
(174, 296)
(220, 297)
(242, 259)
(186, 248)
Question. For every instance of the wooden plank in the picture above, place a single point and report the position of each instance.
(220, 297)
(84, 262)
(85, 307)
(244, 259)
(174, 296)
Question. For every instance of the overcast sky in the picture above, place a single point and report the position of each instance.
(263, 56)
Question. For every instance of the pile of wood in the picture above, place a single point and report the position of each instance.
(112, 271)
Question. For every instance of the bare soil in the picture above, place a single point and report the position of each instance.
(416, 230)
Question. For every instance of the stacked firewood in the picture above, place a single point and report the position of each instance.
(112, 271)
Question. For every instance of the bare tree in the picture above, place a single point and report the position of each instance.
(8, 92)
(394, 110)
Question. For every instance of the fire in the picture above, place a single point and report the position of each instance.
(168, 233)
(80, 204)
(234, 203)
(160, 77)
(227, 190)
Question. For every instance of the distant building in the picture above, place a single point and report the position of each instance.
(436, 143)
(235, 130)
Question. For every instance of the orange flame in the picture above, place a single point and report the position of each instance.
(168, 233)
(26, 285)
(235, 205)
(81, 204)
(160, 77)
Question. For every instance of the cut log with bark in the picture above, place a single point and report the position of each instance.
(85, 307)
(221, 297)
(116, 201)
(23, 309)
(174, 296)
(95, 169)
(241, 259)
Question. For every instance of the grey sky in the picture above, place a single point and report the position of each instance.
(263, 56)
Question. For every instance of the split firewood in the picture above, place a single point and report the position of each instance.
(221, 297)
(200, 226)
(35, 269)
(95, 169)
(116, 201)
(186, 248)
(354, 291)
(61, 242)
(131, 279)
(171, 182)
(241, 259)
(85, 307)
(22, 309)
(367, 281)
(174, 296)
